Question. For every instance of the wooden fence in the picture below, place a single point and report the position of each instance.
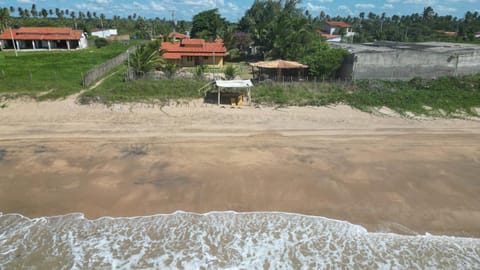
(99, 71)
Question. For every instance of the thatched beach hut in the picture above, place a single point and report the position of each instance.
(278, 70)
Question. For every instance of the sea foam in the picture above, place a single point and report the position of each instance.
(221, 240)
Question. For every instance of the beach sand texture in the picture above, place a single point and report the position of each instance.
(385, 173)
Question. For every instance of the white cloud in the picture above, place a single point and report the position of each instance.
(103, 1)
(315, 8)
(387, 6)
(421, 2)
(231, 11)
(154, 5)
(444, 10)
(346, 9)
(204, 3)
(365, 6)
(25, 1)
(325, 1)
(88, 7)
(459, 1)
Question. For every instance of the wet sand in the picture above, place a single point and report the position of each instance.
(383, 172)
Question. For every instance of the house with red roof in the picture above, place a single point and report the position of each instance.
(48, 38)
(195, 52)
(334, 31)
(174, 36)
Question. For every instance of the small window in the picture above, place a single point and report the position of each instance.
(205, 57)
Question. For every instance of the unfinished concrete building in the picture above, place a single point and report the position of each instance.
(404, 61)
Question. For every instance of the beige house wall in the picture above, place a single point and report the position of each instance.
(193, 61)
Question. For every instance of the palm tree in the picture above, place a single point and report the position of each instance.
(34, 11)
(44, 13)
(4, 16)
(144, 59)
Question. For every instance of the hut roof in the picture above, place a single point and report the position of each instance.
(234, 83)
(278, 64)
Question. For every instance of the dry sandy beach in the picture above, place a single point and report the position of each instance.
(384, 172)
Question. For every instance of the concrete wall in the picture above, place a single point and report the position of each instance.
(407, 64)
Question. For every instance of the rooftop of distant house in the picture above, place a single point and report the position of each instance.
(327, 35)
(338, 24)
(447, 33)
(193, 47)
(177, 35)
(42, 33)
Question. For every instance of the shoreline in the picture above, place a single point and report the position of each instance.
(383, 173)
(404, 232)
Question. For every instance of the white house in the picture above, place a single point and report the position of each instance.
(104, 33)
(46, 38)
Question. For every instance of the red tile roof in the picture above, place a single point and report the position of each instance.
(327, 35)
(42, 33)
(193, 41)
(451, 34)
(172, 56)
(177, 50)
(178, 35)
(338, 24)
(119, 37)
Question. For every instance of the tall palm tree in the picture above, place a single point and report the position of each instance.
(34, 11)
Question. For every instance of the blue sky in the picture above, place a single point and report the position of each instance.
(235, 9)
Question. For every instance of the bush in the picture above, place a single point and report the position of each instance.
(230, 72)
(101, 42)
(170, 69)
(199, 71)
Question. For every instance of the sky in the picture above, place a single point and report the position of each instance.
(233, 10)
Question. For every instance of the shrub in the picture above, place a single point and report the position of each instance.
(101, 42)
(199, 71)
(230, 72)
(170, 69)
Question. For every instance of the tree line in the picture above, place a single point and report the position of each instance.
(270, 29)
(135, 25)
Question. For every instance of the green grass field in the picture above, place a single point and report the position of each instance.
(50, 75)
(115, 90)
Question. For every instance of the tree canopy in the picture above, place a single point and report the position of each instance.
(278, 28)
(208, 25)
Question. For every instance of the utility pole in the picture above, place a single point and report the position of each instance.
(13, 42)
(174, 23)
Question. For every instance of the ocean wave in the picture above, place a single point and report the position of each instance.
(221, 240)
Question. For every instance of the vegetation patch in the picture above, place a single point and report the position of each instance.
(50, 74)
(116, 90)
(444, 97)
